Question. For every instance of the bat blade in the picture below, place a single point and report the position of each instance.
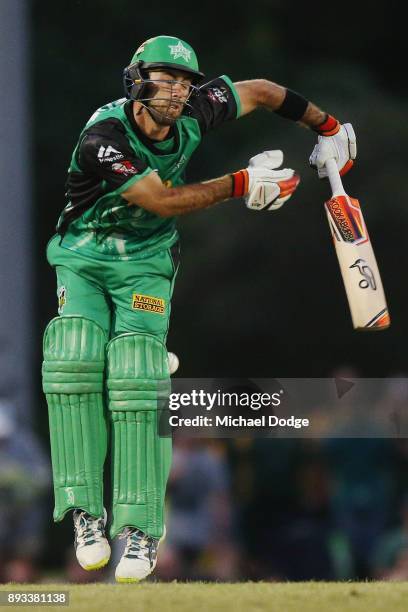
(359, 269)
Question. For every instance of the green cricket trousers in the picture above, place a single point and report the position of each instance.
(105, 361)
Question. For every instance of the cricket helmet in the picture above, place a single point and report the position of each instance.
(155, 53)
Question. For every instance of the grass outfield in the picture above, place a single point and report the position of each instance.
(240, 597)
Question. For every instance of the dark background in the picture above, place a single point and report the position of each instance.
(257, 294)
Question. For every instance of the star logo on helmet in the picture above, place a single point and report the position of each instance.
(180, 50)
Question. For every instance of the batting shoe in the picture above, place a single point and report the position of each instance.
(140, 556)
(91, 546)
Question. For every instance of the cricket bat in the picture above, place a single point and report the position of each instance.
(361, 277)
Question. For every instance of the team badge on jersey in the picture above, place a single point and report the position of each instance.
(216, 94)
(62, 299)
(124, 167)
(148, 303)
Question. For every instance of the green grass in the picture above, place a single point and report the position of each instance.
(240, 597)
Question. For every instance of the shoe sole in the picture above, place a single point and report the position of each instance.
(134, 580)
(96, 566)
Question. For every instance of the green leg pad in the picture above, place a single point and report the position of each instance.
(73, 370)
(138, 386)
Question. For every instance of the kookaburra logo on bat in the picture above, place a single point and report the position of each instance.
(368, 279)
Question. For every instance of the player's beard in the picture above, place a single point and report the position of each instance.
(161, 115)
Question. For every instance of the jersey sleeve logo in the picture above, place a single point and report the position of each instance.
(125, 167)
(217, 94)
(109, 154)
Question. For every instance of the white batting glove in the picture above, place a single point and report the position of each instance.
(265, 187)
(340, 146)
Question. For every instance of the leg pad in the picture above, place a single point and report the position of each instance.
(138, 386)
(73, 382)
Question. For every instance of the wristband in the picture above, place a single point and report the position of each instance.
(329, 127)
(240, 183)
(293, 107)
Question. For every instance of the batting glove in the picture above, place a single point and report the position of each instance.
(265, 187)
(340, 145)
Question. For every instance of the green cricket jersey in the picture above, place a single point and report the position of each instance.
(113, 153)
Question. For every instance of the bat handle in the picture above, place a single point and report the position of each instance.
(334, 178)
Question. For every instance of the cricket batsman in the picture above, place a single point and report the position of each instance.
(115, 254)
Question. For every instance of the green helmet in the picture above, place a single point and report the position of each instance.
(159, 52)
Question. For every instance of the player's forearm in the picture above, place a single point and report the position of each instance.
(181, 200)
(313, 117)
(286, 103)
(187, 198)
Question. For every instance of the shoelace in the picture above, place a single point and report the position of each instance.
(88, 528)
(139, 544)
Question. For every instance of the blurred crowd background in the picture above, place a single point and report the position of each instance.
(237, 509)
(257, 295)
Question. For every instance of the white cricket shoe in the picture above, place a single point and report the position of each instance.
(91, 546)
(140, 556)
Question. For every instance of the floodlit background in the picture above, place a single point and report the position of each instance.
(258, 295)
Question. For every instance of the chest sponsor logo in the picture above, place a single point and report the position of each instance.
(124, 167)
(109, 154)
(218, 95)
(180, 50)
(62, 298)
(148, 303)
